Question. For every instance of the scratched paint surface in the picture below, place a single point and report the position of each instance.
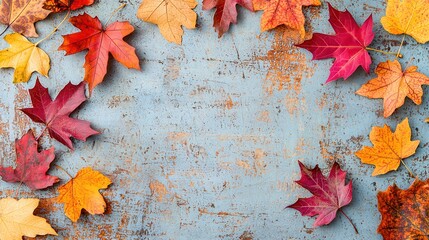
(203, 143)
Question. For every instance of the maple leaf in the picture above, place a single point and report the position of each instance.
(169, 15)
(25, 57)
(31, 165)
(100, 42)
(63, 5)
(330, 193)
(81, 192)
(55, 114)
(226, 12)
(283, 12)
(393, 85)
(404, 213)
(17, 219)
(348, 46)
(21, 15)
(407, 17)
(389, 148)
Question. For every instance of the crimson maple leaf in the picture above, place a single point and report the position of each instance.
(330, 193)
(31, 165)
(348, 46)
(55, 114)
(99, 43)
(62, 5)
(226, 12)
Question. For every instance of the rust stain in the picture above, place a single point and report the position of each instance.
(259, 165)
(116, 101)
(158, 190)
(264, 116)
(247, 235)
(229, 103)
(204, 211)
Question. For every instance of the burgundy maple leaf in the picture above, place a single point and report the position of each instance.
(329, 194)
(31, 165)
(55, 114)
(348, 46)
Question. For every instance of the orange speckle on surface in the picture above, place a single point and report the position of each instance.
(229, 103)
(158, 190)
(264, 116)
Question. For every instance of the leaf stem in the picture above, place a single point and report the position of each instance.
(41, 134)
(384, 52)
(54, 30)
(62, 169)
(400, 47)
(17, 190)
(409, 170)
(345, 215)
(113, 13)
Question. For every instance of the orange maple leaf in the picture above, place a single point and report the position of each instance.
(393, 85)
(283, 12)
(81, 192)
(404, 212)
(389, 148)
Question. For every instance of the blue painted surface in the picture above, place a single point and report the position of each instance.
(202, 144)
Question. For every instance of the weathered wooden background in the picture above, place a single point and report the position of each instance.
(203, 143)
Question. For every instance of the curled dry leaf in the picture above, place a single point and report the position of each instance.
(393, 85)
(329, 193)
(55, 114)
(226, 12)
(169, 15)
(21, 15)
(63, 5)
(100, 42)
(81, 192)
(25, 57)
(347, 46)
(389, 148)
(31, 165)
(283, 12)
(408, 17)
(17, 219)
(404, 213)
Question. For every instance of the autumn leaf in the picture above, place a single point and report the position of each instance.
(81, 192)
(100, 42)
(407, 17)
(226, 12)
(21, 15)
(330, 194)
(389, 148)
(404, 213)
(25, 57)
(170, 16)
(393, 85)
(17, 219)
(31, 165)
(348, 46)
(55, 114)
(63, 5)
(283, 12)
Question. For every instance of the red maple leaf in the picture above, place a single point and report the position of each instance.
(348, 46)
(226, 12)
(31, 165)
(100, 43)
(330, 193)
(55, 114)
(62, 5)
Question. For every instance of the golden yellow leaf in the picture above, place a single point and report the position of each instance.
(17, 219)
(389, 148)
(169, 15)
(408, 16)
(81, 192)
(25, 57)
(393, 85)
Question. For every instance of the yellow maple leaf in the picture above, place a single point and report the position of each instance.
(81, 192)
(393, 85)
(25, 57)
(409, 17)
(389, 148)
(17, 219)
(169, 15)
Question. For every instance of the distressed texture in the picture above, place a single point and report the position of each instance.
(224, 171)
